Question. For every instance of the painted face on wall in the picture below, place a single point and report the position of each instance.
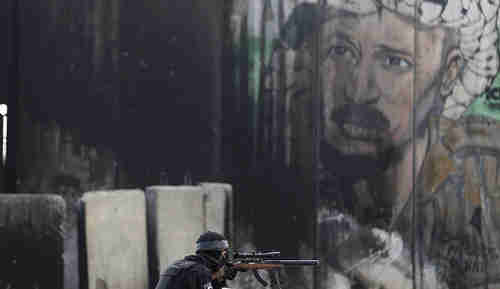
(371, 68)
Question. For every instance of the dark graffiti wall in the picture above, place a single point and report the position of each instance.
(361, 132)
(388, 113)
(140, 79)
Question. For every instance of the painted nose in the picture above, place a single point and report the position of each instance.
(363, 87)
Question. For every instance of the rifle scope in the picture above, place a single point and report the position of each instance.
(243, 255)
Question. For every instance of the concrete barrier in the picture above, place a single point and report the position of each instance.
(218, 200)
(31, 241)
(114, 240)
(179, 214)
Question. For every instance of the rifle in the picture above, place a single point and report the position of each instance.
(241, 261)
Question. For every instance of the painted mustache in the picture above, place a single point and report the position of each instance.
(362, 122)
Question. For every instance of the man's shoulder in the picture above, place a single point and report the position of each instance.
(199, 268)
(195, 263)
(181, 265)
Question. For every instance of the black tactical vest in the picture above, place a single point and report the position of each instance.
(171, 278)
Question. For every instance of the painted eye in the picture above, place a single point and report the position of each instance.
(343, 52)
(339, 50)
(395, 61)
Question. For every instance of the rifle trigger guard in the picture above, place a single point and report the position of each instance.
(259, 278)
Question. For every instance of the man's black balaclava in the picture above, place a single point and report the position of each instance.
(210, 246)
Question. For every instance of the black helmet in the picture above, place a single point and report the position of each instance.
(211, 241)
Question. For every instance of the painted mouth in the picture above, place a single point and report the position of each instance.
(360, 133)
(361, 122)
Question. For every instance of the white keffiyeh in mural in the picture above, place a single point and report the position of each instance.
(476, 22)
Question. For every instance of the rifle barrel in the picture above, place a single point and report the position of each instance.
(257, 266)
(298, 262)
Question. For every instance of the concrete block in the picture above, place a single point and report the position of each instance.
(218, 204)
(177, 215)
(31, 241)
(115, 243)
(177, 220)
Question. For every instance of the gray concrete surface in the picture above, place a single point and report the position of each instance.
(115, 228)
(182, 213)
(179, 221)
(31, 241)
(219, 208)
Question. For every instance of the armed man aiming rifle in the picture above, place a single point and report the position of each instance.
(213, 264)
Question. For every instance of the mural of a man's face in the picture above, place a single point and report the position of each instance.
(371, 67)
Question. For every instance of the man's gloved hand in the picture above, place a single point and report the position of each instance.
(219, 284)
(229, 272)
